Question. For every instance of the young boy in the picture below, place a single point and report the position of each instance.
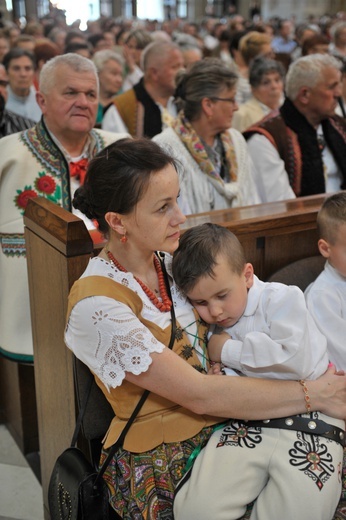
(326, 297)
(289, 471)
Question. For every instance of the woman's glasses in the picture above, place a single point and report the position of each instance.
(228, 100)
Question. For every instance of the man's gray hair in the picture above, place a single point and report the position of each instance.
(307, 72)
(74, 61)
(156, 53)
(100, 58)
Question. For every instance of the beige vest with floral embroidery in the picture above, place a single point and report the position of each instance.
(160, 420)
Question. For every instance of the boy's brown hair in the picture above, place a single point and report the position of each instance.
(331, 215)
(198, 250)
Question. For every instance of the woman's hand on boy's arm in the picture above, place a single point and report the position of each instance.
(216, 343)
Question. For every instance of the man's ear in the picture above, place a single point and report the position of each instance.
(248, 273)
(41, 101)
(152, 73)
(114, 220)
(324, 248)
(304, 95)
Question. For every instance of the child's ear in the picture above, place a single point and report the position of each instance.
(248, 273)
(324, 248)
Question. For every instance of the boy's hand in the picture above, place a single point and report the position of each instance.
(215, 345)
(215, 369)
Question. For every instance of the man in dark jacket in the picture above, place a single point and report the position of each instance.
(300, 149)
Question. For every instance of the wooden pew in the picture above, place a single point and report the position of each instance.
(58, 249)
(272, 234)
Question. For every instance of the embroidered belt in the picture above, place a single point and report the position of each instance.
(303, 424)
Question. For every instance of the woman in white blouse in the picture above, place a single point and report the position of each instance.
(119, 324)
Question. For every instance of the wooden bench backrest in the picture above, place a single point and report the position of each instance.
(58, 250)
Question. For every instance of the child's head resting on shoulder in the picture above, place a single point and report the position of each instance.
(210, 268)
(331, 225)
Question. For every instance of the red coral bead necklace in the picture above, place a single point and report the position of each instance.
(164, 305)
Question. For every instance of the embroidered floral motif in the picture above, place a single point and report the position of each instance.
(99, 316)
(186, 351)
(22, 197)
(45, 183)
(45, 186)
(237, 434)
(311, 456)
(199, 368)
(192, 142)
(179, 333)
(38, 141)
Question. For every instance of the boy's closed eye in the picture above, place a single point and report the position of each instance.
(203, 303)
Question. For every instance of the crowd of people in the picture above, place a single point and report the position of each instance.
(132, 126)
(139, 63)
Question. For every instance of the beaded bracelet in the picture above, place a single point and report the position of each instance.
(306, 396)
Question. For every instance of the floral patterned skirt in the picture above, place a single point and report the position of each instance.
(142, 485)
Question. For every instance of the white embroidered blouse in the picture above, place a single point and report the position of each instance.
(109, 338)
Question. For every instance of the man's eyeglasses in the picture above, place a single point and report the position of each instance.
(228, 100)
(3, 83)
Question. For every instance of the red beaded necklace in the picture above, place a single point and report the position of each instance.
(164, 305)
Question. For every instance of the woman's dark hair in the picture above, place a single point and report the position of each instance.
(234, 41)
(14, 54)
(118, 177)
(262, 66)
(77, 46)
(310, 43)
(206, 78)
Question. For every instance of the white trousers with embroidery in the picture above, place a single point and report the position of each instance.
(291, 475)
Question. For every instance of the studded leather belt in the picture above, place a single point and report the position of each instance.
(303, 424)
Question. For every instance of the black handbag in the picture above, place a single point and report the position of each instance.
(76, 490)
(72, 492)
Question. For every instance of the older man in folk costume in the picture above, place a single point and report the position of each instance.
(300, 150)
(48, 160)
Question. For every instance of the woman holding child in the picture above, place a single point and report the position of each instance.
(120, 326)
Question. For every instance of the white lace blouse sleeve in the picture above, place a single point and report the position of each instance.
(109, 338)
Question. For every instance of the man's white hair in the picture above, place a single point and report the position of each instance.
(156, 53)
(307, 72)
(74, 61)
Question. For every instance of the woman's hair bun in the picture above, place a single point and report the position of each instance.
(82, 202)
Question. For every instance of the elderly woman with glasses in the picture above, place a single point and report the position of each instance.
(267, 86)
(217, 171)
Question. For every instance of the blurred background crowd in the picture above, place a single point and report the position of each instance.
(116, 45)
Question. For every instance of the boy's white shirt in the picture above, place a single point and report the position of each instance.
(276, 337)
(326, 301)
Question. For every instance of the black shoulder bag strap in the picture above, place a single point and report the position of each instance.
(114, 448)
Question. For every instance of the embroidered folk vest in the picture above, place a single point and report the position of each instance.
(160, 420)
